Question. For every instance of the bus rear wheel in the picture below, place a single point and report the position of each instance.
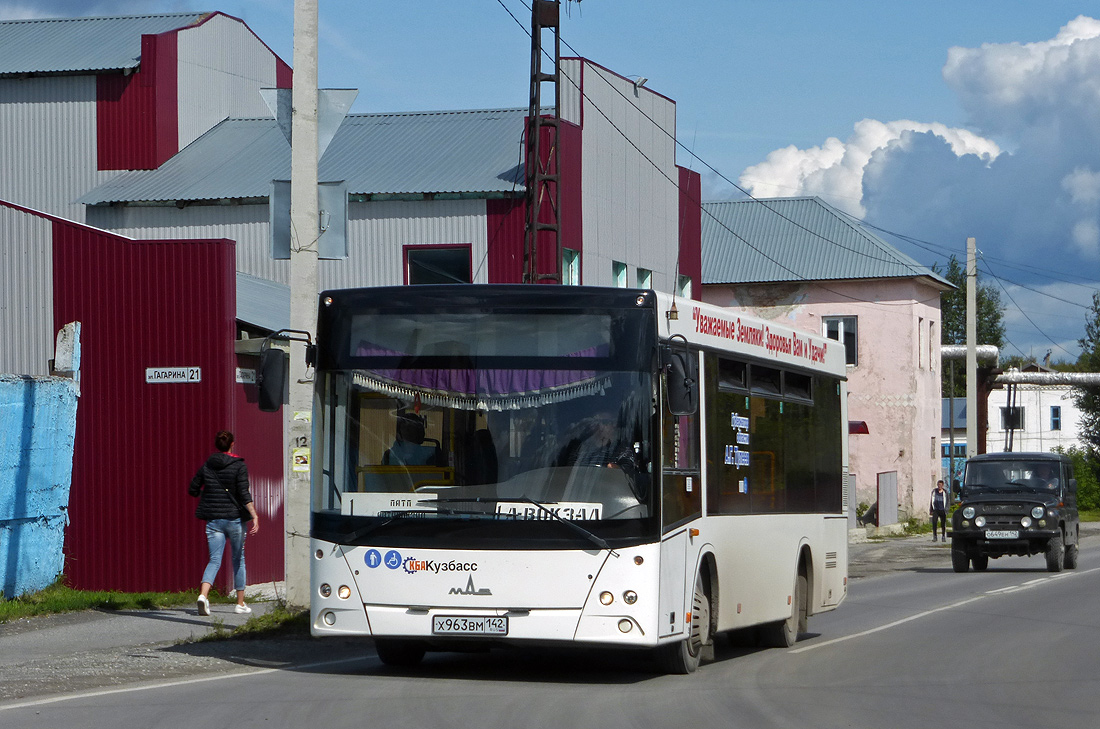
(684, 656)
(399, 653)
(784, 634)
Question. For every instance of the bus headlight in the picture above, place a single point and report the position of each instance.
(1025, 522)
(325, 590)
(979, 522)
(630, 597)
(1037, 512)
(606, 598)
(968, 512)
(329, 618)
(344, 592)
(625, 625)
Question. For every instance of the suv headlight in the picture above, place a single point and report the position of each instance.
(979, 522)
(1025, 522)
(1037, 512)
(968, 512)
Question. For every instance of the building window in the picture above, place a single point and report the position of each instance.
(437, 264)
(645, 278)
(683, 286)
(1012, 418)
(570, 267)
(843, 329)
(932, 345)
(618, 274)
(1055, 417)
(920, 342)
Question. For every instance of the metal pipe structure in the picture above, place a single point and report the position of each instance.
(984, 352)
(1074, 379)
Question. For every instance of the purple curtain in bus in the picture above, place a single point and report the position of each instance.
(492, 388)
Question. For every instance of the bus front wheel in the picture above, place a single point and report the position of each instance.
(684, 656)
(399, 653)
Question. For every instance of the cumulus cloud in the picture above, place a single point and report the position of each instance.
(1023, 177)
(1018, 89)
(835, 169)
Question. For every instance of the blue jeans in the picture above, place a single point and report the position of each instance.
(217, 530)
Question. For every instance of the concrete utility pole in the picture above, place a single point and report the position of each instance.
(971, 348)
(305, 230)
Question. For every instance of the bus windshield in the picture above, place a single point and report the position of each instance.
(487, 428)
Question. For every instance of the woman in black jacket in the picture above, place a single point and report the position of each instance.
(222, 487)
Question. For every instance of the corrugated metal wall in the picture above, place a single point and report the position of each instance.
(165, 304)
(260, 443)
(48, 124)
(222, 67)
(26, 293)
(506, 222)
(631, 198)
(378, 230)
(245, 224)
(136, 115)
(691, 220)
(376, 233)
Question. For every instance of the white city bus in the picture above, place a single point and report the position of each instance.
(522, 465)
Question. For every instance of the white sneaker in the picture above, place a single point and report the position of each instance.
(242, 609)
(204, 605)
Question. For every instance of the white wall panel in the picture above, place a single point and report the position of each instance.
(630, 180)
(26, 293)
(222, 66)
(245, 224)
(378, 232)
(49, 123)
(571, 82)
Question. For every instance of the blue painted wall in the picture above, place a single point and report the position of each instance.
(37, 433)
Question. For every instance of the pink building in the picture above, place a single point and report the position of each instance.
(805, 263)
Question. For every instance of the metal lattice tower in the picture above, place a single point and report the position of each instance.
(542, 171)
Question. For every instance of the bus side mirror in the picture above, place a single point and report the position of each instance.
(271, 379)
(681, 381)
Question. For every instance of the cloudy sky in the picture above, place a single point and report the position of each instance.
(934, 121)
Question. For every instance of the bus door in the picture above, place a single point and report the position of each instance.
(681, 506)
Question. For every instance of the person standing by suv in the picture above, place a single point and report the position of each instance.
(937, 507)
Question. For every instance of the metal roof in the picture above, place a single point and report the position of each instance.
(795, 239)
(377, 154)
(60, 45)
(263, 303)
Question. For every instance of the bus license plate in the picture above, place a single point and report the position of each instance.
(469, 625)
(1002, 534)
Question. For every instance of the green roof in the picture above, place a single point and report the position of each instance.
(796, 239)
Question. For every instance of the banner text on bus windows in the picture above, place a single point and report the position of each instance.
(793, 344)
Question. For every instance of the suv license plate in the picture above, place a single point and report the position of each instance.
(1002, 534)
(469, 625)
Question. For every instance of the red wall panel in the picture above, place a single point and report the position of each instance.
(143, 304)
(691, 230)
(505, 220)
(260, 443)
(137, 116)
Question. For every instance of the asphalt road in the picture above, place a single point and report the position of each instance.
(915, 645)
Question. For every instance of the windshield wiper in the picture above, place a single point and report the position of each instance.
(595, 539)
(364, 531)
